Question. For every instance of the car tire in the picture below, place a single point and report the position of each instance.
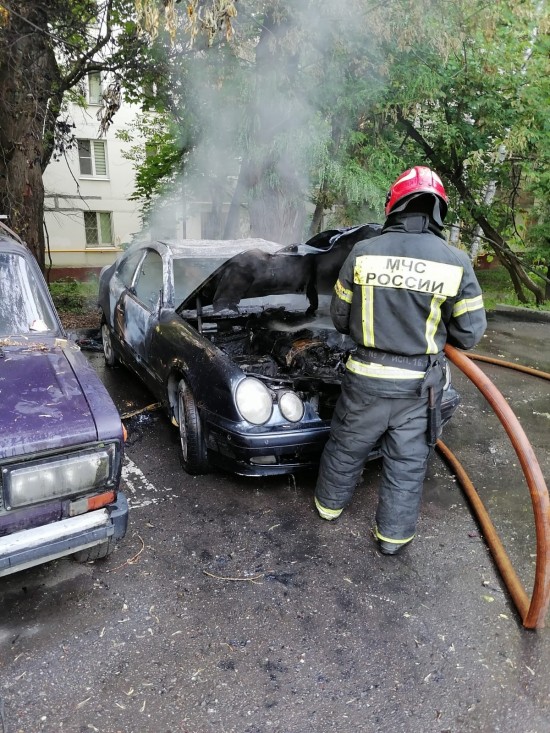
(193, 448)
(108, 350)
(97, 552)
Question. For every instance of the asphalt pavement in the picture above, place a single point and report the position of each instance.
(231, 607)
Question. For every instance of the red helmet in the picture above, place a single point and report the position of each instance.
(419, 179)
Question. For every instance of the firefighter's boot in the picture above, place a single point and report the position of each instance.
(388, 546)
(325, 512)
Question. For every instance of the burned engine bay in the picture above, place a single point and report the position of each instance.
(286, 349)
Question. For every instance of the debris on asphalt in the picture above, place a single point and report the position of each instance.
(251, 579)
(148, 408)
(131, 560)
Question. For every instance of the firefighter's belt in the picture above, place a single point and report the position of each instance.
(417, 363)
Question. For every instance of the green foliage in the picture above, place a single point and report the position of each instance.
(489, 90)
(334, 100)
(73, 295)
(159, 153)
(497, 289)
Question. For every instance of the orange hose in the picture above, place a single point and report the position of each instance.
(513, 583)
(510, 365)
(533, 616)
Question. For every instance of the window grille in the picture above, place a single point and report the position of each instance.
(98, 228)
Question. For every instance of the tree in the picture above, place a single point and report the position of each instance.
(270, 72)
(457, 99)
(46, 50)
(364, 95)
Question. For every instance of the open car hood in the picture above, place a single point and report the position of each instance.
(197, 262)
(262, 269)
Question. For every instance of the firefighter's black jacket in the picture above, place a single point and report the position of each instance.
(408, 292)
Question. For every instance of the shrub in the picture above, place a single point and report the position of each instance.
(72, 295)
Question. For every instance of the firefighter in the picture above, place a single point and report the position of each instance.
(401, 296)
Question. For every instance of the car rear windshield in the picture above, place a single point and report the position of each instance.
(24, 308)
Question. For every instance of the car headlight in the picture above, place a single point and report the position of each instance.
(254, 401)
(291, 406)
(53, 478)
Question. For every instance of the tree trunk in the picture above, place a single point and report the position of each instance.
(233, 221)
(519, 276)
(275, 188)
(317, 219)
(322, 202)
(214, 224)
(320, 206)
(28, 76)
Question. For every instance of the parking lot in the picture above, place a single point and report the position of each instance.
(231, 607)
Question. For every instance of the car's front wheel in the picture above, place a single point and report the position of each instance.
(193, 448)
(108, 351)
(97, 552)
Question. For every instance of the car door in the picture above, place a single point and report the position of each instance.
(137, 313)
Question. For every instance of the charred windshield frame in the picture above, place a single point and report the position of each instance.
(128, 268)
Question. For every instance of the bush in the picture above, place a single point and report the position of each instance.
(498, 289)
(72, 295)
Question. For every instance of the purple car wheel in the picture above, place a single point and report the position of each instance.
(97, 552)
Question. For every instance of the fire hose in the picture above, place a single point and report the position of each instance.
(532, 611)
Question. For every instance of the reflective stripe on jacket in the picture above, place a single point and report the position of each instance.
(408, 292)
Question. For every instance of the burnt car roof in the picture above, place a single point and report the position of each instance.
(223, 273)
(219, 247)
(207, 257)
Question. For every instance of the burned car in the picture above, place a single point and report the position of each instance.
(236, 340)
(61, 438)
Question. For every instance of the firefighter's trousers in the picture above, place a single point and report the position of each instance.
(360, 421)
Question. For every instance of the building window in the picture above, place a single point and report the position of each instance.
(94, 87)
(99, 229)
(92, 155)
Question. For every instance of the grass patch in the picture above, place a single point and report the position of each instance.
(73, 296)
(498, 290)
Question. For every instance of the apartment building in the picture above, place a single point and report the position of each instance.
(89, 216)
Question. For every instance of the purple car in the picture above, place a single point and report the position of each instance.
(61, 438)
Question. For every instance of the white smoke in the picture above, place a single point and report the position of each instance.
(264, 101)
